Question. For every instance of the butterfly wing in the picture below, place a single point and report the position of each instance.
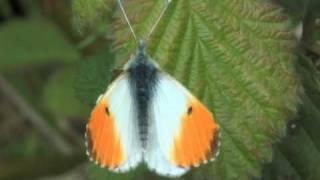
(112, 137)
(158, 162)
(185, 131)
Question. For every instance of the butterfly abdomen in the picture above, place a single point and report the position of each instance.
(143, 78)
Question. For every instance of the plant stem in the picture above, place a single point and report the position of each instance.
(34, 118)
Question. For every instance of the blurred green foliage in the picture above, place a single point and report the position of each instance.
(238, 56)
(33, 43)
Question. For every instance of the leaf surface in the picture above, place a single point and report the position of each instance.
(237, 57)
(20, 48)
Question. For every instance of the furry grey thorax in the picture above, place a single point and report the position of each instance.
(143, 77)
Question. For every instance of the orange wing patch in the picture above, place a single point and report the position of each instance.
(198, 138)
(103, 140)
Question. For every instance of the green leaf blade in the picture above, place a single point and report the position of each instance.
(241, 55)
(88, 15)
(237, 58)
(19, 48)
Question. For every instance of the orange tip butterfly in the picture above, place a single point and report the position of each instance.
(147, 116)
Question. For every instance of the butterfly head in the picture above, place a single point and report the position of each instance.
(141, 47)
(141, 58)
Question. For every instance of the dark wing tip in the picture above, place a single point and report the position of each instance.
(215, 145)
(89, 145)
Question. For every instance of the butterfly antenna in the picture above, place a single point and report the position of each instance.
(127, 19)
(159, 18)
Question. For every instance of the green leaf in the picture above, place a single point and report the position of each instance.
(98, 173)
(33, 42)
(298, 155)
(89, 15)
(234, 55)
(60, 95)
(237, 57)
(4, 9)
(25, 147)
(94, 76)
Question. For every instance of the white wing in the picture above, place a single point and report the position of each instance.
(113, 137)
(184, 131)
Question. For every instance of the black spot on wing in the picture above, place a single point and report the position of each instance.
(190, 110)
(107, 111)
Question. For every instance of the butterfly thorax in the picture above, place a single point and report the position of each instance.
(143, 78)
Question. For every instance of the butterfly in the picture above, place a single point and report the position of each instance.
(147, 116)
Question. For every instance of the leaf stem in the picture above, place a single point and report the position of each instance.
(34, 118)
